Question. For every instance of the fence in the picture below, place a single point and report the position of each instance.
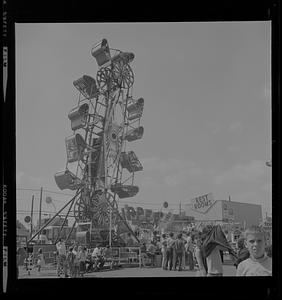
(127, 255)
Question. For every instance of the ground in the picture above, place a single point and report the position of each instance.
(228, 270)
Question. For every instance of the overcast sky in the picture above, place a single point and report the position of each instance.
(207, 113)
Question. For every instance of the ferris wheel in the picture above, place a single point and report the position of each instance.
(104, 122)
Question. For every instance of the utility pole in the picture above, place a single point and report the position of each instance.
(31, 216)
(40, 206)
(179, 208)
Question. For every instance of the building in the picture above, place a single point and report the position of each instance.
(23, 234)
(267, 227)
(224, 211)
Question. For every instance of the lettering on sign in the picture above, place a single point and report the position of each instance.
(202, 203)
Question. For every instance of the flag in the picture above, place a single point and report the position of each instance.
(216, 237)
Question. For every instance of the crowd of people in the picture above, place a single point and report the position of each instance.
(78, 260)
(201, 249)
(205, 249)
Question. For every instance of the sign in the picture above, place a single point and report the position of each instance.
(27, 219)
(167, 217)
(202, 203)
(48, 200)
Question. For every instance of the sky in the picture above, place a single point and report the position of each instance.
(206, 118)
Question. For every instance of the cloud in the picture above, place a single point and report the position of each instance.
(251, 172)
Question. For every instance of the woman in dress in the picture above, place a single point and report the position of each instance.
(40, 260)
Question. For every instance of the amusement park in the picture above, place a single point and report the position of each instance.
(94, 231)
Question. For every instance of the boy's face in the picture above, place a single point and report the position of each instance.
(255, 242)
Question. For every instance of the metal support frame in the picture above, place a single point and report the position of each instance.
(47, 223)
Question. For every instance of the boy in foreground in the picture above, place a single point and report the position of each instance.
(258, 264)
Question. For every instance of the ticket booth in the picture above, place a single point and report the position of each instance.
(78, 116)
(135, 108)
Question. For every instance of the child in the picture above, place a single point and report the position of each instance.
(29, 263)
(258, 264)
(40, 260)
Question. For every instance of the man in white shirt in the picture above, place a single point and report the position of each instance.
(98, 260)
(96, 252)
(61, 247)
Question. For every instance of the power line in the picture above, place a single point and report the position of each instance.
(38, 190)
(120, 201)
(59, 193)
(23, 189)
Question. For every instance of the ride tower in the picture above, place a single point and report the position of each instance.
(99, 167)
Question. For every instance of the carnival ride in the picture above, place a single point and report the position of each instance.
(99, 168)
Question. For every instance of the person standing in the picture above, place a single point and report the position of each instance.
(40, 260)
(214, 262)
(202, 271)
(151, 252)
(189, 251)
(243, 253)
(163, 250)
(143, 251)
(70, 261)
(179, 251)
(29, 262)
(75, 261)
(81, 256)
(62, 253)
(169, 252)
(215, 240)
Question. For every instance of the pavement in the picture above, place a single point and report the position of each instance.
(50, 272)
